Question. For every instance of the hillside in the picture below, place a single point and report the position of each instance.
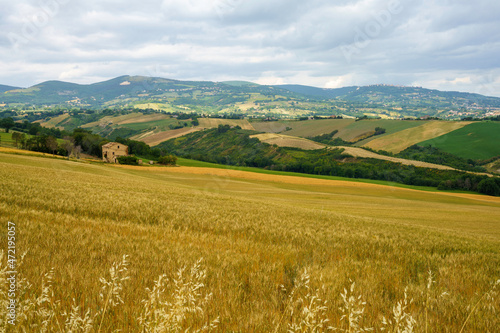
(401, 140)
(257, 235)
(475, 141)
(4, 88)
(237, 147)
(301, 143)
(281, 101)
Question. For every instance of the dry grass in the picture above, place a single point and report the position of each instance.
(401, 140)
(144, 119)
(288, 141)
(154, 139)
(256, 237)
(115, 120)
(51, 123)
(317, 127)
(215, 122)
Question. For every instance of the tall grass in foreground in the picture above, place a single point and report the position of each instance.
(304, 308)
(161, 312)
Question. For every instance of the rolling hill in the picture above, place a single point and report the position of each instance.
(282, 101)
(474, 141)
(4, 88)
(257, 234)
(401, 140)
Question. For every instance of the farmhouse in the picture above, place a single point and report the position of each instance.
(111, 151)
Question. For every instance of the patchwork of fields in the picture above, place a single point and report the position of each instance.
(464, 139)
(256, 234)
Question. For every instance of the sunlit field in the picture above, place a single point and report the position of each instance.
(232, 251)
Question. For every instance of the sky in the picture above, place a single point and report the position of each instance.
(437, 44)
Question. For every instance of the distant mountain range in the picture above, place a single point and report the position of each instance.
(247, 97)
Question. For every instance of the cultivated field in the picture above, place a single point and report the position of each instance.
(215, 122)
(274, 250)
(53, 122)
(153, 139)
(348, 129)
(288, 141)
(114, 120)
(291, 141)
(307, 128)
(401, 140)
(476, 141)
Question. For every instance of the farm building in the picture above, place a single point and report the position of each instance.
(111, 151)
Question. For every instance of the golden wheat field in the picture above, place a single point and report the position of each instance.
(149, 249)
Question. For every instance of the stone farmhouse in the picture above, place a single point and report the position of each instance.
(111, 151)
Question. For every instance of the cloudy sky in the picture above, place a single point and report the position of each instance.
(441, 44)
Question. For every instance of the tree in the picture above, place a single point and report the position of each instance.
(129, 160)
(168, 160)
(488, 186)
(51, 144)
(7, 123)
(22, 140)
(16, 136)
(68, 145)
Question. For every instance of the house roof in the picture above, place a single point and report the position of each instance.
(111, 144)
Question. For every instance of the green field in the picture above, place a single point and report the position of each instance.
(304, 128)
(6, 139)
(274, 248)
(476, 141)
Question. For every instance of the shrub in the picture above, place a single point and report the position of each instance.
(167, 160)
(488, 186)
(128, 160)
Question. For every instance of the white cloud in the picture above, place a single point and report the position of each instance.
(442, 45)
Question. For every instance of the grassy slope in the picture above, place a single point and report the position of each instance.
(391, 126)
(6, 139)
(475, 141)
(53, 122)
(315, 127)
(401, 140)
(254, 235)
(355, 129)
(215, 122)
(152, 138)
(288, 141)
